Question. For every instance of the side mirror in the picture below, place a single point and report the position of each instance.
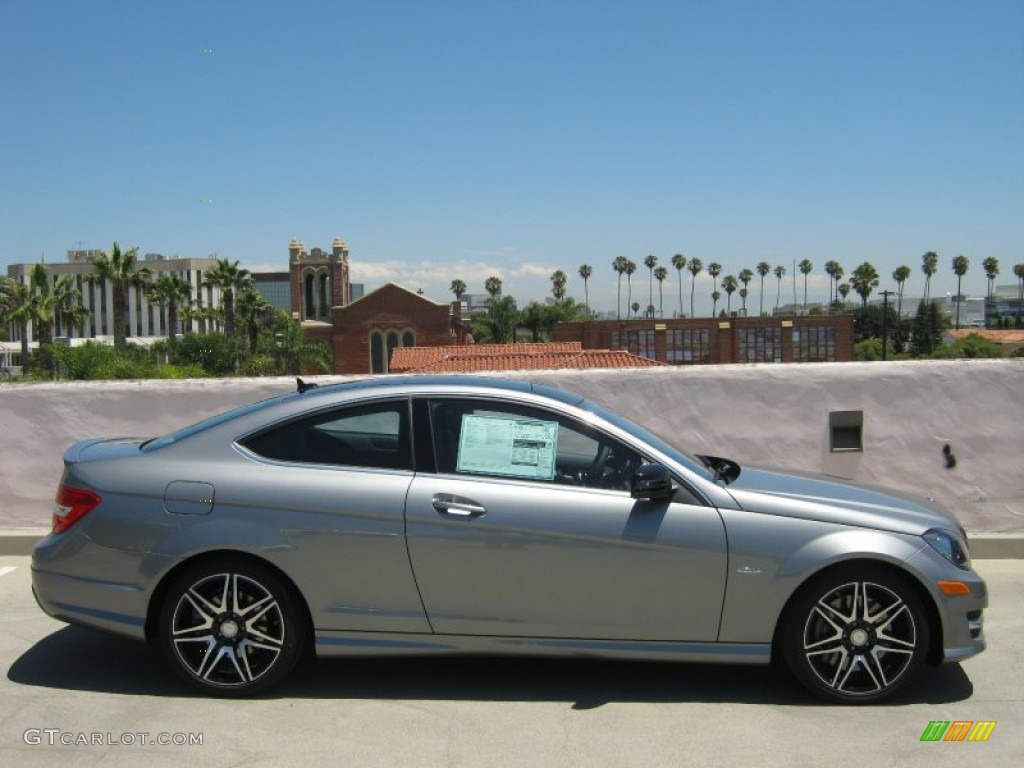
(651, 481)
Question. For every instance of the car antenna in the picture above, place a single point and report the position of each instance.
(304, 386)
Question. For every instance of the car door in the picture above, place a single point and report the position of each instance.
(527, 529)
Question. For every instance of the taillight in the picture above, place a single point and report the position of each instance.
(71, 505)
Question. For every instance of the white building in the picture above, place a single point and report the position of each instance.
(145, 320)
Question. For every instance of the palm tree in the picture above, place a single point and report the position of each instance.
(863, 280)
(780, 272)
(715, 296)
(121, 269)
(960, 265)
(619, 265)
(1018, 271)
(805, 269)
(696, 265)
(21, 308)
(252, 308)
(745, 277)
(458, 287)
(171, 292)
(229, 277)
(991, 267)
(630, 269)
(900, 275)
(679, 262)
(650, 262)
(558, 283)
(636, 308)
(493, 286)
(660, 274)
(585, 272)
(729, 286)
(929, 265)
(830, 269)
(844, 290)
(763, 268)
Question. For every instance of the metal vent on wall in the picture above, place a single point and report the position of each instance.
(846, 431)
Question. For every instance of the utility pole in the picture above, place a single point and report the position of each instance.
(885, 320)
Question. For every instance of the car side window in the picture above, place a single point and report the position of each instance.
(482, 437)
(374, 435)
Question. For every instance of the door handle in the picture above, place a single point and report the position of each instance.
(447, 504)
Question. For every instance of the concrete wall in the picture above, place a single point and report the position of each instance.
(763, 414)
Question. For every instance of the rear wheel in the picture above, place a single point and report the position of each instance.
(231, 628)
(855, 635)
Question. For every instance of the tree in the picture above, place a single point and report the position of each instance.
(534, 318)
(929, 324)
(660, 274)
(929, 265)
(171, 293)
(900, 275)
(763, 268)
(650, 262)
(558, 283)
(960, 266)
(715, 296)
(679, 262)
(729, 286)
(619, 265)
(830, 269)
(863, 281)
(121, 270)
(493, 286)
(229, 277)
(585, 271)
(805, 269)
(630, 269)
(970, 347)
(1018, 271)
(695, 266)
(991, 267)
(294, 353)
(458, 287)
(780, 272)
(745, 277)
(636, 308)
(252, 308)
(20, 309)
(714, 269)
(844, 291)
(503, 318)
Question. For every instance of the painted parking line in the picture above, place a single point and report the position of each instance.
(7, 569)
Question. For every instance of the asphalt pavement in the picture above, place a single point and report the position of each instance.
(79, 698)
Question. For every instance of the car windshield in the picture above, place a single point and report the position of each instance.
(689, 461)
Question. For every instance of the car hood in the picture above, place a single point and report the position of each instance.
(834, 500)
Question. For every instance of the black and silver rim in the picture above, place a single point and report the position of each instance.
(228, 630)
(859, 638)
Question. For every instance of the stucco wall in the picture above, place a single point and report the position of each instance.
(765, 414)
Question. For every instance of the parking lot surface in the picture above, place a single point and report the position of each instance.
(79, 698)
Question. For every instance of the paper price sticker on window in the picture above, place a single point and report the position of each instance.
(491, 445)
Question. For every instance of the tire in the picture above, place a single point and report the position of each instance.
(231, 627)
(855, 635)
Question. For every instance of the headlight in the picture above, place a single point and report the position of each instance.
(950, 547)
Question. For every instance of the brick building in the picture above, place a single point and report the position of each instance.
(365, 332)
(697, 341)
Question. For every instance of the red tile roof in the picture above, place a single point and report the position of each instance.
(510, 357)
(992, 334)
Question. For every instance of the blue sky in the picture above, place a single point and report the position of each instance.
(448, 139)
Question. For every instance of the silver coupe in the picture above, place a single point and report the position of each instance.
(456, 514)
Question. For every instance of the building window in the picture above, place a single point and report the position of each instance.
(378, 363)
(408, 339)
(760, 345)
(638, 342)
(688, 346)
(814, 344)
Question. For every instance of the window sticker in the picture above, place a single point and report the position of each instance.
(494, 445)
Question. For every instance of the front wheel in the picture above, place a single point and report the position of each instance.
(231, 628)
(855, 635)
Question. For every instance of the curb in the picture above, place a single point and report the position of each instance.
(990, 546)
